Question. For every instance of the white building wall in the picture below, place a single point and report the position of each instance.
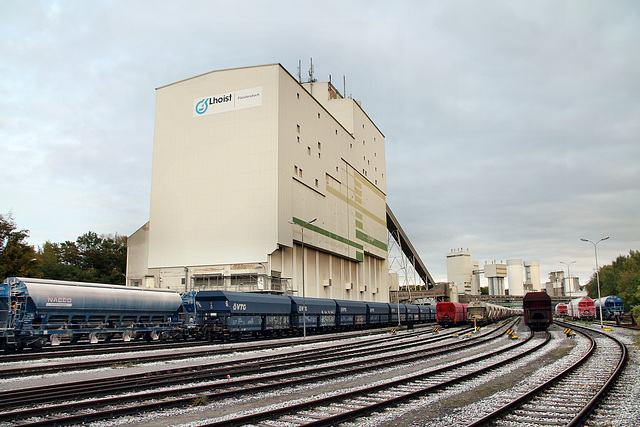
(214, 184)
(137, 256)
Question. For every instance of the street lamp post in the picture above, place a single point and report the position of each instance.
(569, 274)
(595, 250)
(304, 303)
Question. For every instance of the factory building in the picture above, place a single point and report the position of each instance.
(495, 274)
(463, 272)
(263, 183)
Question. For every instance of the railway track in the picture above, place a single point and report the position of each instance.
(81, 350)
(60, 363)
(352, 404)
(218, 381)
(570, 395)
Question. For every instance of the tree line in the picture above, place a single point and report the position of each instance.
(91, 258)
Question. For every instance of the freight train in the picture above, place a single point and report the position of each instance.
(581, 309)
(38, 312)
(538, 315)
(482, 313)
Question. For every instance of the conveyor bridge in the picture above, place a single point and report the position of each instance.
(394, 228)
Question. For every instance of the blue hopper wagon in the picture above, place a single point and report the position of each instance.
(230, 315)
(320, 314)
(350, 314)
(377, 313)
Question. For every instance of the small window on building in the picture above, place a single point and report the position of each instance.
(298, 139)
(295, 169)
(300, 172)
(319, 155)
(298, 95)
(318, 115)
(336, 131)
(337, 170)
(319, 145)
(350, 145)
(309, 150)
(298, 126)
(316, 182)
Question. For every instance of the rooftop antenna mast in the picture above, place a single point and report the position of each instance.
(299, 71)
(311, 71)
(344, 86)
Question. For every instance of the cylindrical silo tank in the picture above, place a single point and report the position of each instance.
(532, 269)
(515, 277)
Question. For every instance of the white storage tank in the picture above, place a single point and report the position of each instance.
(532, 273)
(515, 277)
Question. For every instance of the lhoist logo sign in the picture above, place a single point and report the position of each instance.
(245, 98)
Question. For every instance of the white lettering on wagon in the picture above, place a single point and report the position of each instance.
(59, 302)
(239, 307)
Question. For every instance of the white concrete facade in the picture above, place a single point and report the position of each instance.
(242, 159)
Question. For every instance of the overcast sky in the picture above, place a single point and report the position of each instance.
(512, 128)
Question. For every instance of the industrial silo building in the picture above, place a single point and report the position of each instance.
(246, 159)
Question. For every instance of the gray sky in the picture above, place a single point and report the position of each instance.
(512, 128)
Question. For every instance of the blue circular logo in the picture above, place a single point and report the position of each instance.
(201, 107)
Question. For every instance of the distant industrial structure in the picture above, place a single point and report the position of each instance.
(521, 277)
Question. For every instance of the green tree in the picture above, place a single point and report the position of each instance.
(17, 258)
(91, 258)
(621, 278)
(56, 263)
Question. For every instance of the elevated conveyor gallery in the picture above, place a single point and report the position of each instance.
(393, 226)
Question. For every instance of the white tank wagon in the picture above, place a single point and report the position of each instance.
(41, 311)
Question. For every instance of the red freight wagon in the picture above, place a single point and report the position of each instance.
(451, 313)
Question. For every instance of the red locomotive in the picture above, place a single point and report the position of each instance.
(582, 309)
(561, 310)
